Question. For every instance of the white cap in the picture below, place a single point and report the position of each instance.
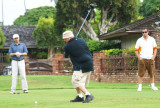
(15, 36)
(67, 34)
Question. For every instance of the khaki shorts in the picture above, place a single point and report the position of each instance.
(80, 79)
(146, 64)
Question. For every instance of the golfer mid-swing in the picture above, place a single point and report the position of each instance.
(17, 51)
(82, 62)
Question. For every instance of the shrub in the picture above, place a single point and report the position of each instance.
(8, 58)
(58, 53)
(130, 51)
(42, 55)
(127, 52)
(113, 52)
(2, 38)
(94, 45)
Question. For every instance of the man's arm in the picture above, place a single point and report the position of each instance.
(138, 55)
(12, 54)
(154, 50)
(66, 54)
(21, 54)
(18, 55)
(154, 54)
(10, 51)
(24, 54)
(25, 50)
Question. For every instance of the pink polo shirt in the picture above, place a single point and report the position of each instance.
(145, 47)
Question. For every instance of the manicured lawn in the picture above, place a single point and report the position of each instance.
(56, 92)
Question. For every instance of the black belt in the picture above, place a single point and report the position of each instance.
(18, 60)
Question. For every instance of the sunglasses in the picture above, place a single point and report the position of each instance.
(144, 32)
(15, 38)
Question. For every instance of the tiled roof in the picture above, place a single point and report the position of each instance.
(136, 26)
(25, 33)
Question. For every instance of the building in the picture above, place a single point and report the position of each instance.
(25, 33)
(129, 34)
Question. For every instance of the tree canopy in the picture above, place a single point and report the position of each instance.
(32, 16)
(71, 13)
(44, 33)
(150, 7)
(2, 38)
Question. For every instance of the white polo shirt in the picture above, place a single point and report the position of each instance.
(145, 47)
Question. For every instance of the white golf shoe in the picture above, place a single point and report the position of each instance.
(12, 92)
(154, 88)
(25, 91)
(139, 89)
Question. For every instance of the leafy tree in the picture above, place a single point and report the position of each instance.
(33, 15)
(2, 38)
(150, 7)
(45, 35)
(71, 13)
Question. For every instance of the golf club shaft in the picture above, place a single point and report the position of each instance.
(83, 22)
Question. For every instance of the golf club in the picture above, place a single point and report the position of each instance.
(92, 7)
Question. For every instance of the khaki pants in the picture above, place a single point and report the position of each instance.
(19, 66)
(80, 79)
(146, 64)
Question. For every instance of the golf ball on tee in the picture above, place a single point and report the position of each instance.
(35, 102)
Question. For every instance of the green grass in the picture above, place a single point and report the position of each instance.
(56, 91)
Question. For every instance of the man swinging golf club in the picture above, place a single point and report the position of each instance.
(82, 65)
(17, 51)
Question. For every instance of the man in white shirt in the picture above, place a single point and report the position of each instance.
(146, 50)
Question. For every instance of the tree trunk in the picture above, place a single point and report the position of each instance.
(50, 53)
(87, 28)
(104, 26)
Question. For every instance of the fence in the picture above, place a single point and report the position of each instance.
(4, 63)
(116, 63)
(1, 68)
(65, 65)
(111, 69)
(122, 63)
(61, 65)
(123, 69)
(3, 57)
(56, 66)
(39, 67)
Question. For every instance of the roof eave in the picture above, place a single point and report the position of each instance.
(105, 37)
(109, 36)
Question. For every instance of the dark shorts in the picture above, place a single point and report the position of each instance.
(146, 64)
